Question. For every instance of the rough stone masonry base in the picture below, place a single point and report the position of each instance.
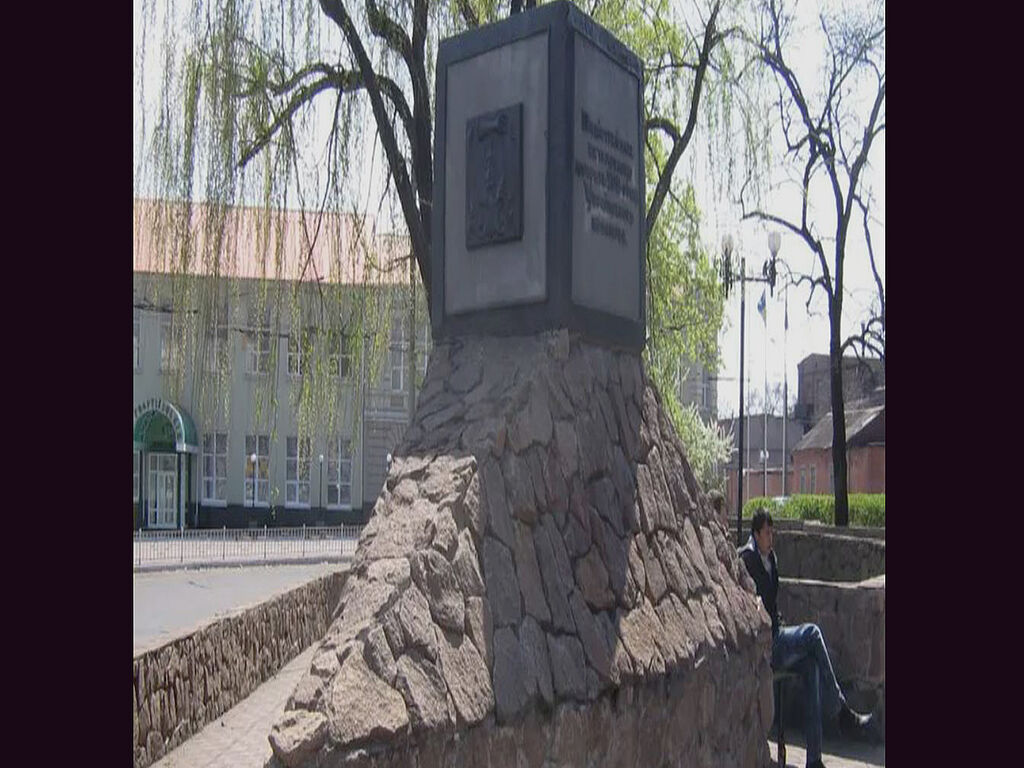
(542, 583)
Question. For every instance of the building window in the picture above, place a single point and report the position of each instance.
(258, 343)
(339, 473)
(339, 354)
(813, 486)
(217, 356)
(215, 467)
(260, 471)
(297, 473)
(423, 350)
(136, 330)
(135, 476)
(168, 354)
(394, 372)
(300, 347)
(803, 480)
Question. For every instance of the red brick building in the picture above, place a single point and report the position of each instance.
(865, 453)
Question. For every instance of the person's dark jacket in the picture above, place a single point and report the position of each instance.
(767, 586)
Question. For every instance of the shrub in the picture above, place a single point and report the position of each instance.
(866, 509)
(777, 509)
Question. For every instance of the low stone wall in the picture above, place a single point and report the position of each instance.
(852, 619)
(185, 684)
(826, 552)
(826, 556)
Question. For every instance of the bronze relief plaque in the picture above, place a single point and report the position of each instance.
(494, 177)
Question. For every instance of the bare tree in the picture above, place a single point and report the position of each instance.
(832, 143)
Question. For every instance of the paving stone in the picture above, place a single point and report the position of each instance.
(435, 578)
(360, 705)
(535, 654)
(556, 582)
(422, 687)
(528, 573)
(502, 585)
(511, 694)
(592, 579)
(567, 667)
(466, 676)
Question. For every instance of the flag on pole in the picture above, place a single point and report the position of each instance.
(761, 308)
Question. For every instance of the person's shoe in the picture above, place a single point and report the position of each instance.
(853, 723)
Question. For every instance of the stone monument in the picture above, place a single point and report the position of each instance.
(538, 195)
(542, 581)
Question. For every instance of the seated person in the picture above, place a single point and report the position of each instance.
(799, 648)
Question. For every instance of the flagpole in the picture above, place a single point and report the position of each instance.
(785, 389)
(739, 452)
(764, 318)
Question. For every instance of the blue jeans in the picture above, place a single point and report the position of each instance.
(802, 648)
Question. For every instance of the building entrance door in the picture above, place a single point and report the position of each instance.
(162, 502)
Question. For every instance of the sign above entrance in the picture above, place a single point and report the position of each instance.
(186, 438)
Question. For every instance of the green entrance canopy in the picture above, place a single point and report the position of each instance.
(160, 424)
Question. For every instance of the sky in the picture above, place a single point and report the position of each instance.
(766, 346)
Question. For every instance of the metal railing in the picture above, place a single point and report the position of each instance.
(243, 545)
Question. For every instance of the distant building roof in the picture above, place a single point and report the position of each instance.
(247, 242)
(863, 426)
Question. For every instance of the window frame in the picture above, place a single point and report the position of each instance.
(300, 349)
(214, 501)
(217, 343)
(295, 460)
(339, 356)
(398, 344)
(813, 480)
(168, 360)
(262, 466)
(255, 353)
(336, 456)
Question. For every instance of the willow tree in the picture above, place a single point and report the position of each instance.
(829, 130)
(266, 105)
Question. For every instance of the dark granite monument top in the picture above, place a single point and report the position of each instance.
(539, 181)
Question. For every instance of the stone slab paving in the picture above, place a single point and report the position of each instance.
(238, 738)
(170, 604)
(837, 754)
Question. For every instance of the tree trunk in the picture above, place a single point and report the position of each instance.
(838, 426)
(411, 361)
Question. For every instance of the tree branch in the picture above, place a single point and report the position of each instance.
(336, 11)
(468, 14)
(388, 30)
(679, 143)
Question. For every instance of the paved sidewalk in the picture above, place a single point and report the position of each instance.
(238, 738)
(171, 604)
(837, 754)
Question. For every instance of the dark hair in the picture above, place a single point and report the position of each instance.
(761, 516)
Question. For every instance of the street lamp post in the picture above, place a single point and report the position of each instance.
(321, 481)
(252, 458)
(768, 276)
